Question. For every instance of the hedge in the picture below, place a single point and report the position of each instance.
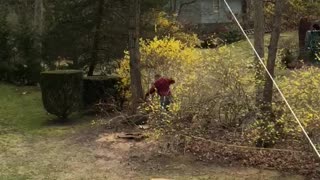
(98, 88)
(61, 91)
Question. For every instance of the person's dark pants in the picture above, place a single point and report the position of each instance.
(165, 102)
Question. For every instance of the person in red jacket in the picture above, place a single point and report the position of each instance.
(162, 87)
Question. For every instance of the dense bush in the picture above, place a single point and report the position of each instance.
(61, 91)
(101, 88)
(216, 88)
(232, 36)
(211, 87)
(301, 88)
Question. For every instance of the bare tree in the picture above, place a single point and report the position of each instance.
(173, 6)
(135, 73)
(272, 54)
(39, 16)
(96, 38)
(246, 17)
(39, 24)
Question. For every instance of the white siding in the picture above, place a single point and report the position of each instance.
(208, 11)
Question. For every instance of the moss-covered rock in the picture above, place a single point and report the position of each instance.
(61, 91)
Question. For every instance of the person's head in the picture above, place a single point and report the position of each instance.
(157, 76)
(316, 27)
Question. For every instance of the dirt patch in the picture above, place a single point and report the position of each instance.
(102, 155)
(147, 160)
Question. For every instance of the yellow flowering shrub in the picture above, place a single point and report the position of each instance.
(166, 56)
(160, 24)
(210, 85)
(301, 89)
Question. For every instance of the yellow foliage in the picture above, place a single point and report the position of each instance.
(166, 56)
(302, 91)
(204, 79)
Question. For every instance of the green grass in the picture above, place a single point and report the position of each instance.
(242, 50)
(21, 111)
(21, 108)
(31, 145)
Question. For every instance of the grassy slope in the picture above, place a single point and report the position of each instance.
(242, 50)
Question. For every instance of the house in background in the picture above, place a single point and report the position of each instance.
(208, 15)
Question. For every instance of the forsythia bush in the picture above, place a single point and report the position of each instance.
(160, 24)
(217, 88)
(210, 86)
(301, 89)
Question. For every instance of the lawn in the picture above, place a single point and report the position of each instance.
(32, 146)
(21, 109)
(242, 50)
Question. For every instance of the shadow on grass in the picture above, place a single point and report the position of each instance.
(74, 119)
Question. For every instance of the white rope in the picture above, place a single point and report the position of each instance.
(274, 82)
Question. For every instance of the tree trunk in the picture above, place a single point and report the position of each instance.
(246, 10)
(174, 6)
(96, 38)
(272, 55)
(135, 73)
(268, 139)
(38, 16)
(38, 28)
(259, 22)
(304, 26)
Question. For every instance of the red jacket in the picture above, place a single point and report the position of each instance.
(162, 86)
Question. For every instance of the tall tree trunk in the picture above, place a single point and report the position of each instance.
(38, 28)
(174, 6)
(272, 55)
(135, 73)
(246, 10)
(39, 16)
(96, 38)
(259, 23)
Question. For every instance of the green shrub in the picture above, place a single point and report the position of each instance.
(96, 88)
(61, 91)
(232, 36)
